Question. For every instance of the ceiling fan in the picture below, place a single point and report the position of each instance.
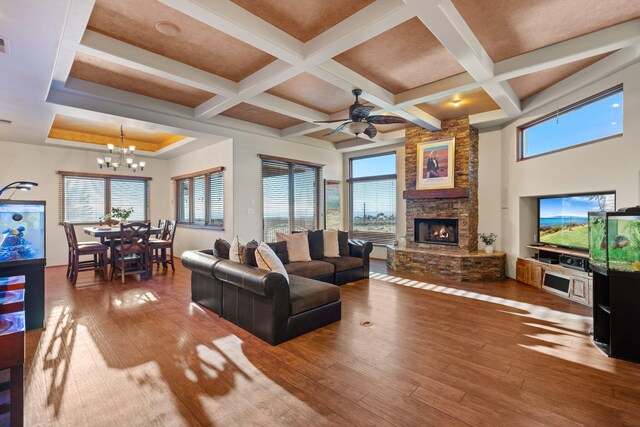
(360, 121)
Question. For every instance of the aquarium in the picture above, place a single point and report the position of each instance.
(22, 224)
(614, 240)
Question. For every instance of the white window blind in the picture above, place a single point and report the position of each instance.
(198, 200)
(216, 200)
(86, 199)
(291, 197)
(183, 201)
(373, 206)
(201, 199)
(130, 193)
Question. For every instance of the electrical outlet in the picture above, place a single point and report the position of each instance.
(251, 211)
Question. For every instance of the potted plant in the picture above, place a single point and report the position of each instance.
(116, 215)
(488, 240)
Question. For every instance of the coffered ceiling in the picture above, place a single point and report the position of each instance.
(274, 67)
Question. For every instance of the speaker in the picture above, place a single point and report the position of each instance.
(574, 262)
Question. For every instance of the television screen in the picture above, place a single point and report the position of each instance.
(562, 220)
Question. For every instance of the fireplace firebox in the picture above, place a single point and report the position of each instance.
(438, 231)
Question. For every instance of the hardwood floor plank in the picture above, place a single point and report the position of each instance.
(438, 353)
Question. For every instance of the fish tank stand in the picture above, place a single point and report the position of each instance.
(22, 253)
(614, 240)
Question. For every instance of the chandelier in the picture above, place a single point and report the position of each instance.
(124, 156)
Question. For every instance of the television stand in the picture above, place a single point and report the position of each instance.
(532, 271)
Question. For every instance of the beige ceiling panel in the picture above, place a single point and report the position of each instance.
(192, 42)
(507, 28)
(403, 58)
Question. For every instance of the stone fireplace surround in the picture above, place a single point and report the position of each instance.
(460, 261)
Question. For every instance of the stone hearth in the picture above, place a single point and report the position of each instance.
(460, 261)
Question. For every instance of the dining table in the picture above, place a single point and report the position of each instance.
(110, 235)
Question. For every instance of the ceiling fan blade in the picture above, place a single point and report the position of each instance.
(329, 121)
(371, 131)
(338, 129)
(361, 112)
(385, 120)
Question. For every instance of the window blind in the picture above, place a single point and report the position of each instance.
(183, 201)
(200, 198)
(216, 199)
(85, 199)
(130, 193)
(373, 205)
(291, 197)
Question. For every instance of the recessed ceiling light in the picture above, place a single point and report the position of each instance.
(456, 102)
(616, 105)
(613, 123)
(252, 111)
(168, 28)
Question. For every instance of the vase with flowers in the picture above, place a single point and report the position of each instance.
(488, 240)
(116, 216)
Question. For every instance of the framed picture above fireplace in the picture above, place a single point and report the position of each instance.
(436, 164)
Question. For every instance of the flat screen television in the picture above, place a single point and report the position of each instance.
(562, 220)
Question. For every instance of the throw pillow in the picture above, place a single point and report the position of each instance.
(236, 250)
(297, 246)
(343, 243)
(331, 246)
(280, 248)
(316, 244)
(268, 260)
(221, 248)
(249, 253)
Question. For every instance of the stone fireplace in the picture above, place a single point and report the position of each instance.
(437, 231)
(442, 224)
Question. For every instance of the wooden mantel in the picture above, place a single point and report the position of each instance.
(443, 193)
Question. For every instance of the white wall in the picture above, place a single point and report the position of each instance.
(490, 186)
(380, 252)
(219, 154)
(40, 164)
(612, 164)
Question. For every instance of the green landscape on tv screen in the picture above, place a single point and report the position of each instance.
(562, 221)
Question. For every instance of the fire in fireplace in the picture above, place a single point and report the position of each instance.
(440, 231)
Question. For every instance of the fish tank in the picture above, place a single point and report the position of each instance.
(614, 240)
(22, 228)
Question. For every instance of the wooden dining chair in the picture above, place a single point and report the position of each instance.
(133, 254)
(160, 247)
(96, 250)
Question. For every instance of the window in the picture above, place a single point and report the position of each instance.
(85, 198)
(291, 196)
(372, 189)
(591, 119)
(200, 199)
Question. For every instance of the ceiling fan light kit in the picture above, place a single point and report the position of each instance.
(360, 121)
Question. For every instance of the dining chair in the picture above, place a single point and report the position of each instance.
(160, 247)
(133, 254)
(76, 249)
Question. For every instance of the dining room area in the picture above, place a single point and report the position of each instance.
(120, 249)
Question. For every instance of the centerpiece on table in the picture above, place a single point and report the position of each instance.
(116, 216)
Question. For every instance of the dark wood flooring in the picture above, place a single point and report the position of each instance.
(438, 353)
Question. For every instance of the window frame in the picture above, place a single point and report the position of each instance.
(206, 175)
(559, 112)
(319, 193)
(352, 180)
(107, 192)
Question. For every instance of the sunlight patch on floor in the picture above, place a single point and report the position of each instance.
(536, 311)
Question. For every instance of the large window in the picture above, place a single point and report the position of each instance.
(589, 120)
(372, 189)
(291, 196)
(85, 198)
(200, 199)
